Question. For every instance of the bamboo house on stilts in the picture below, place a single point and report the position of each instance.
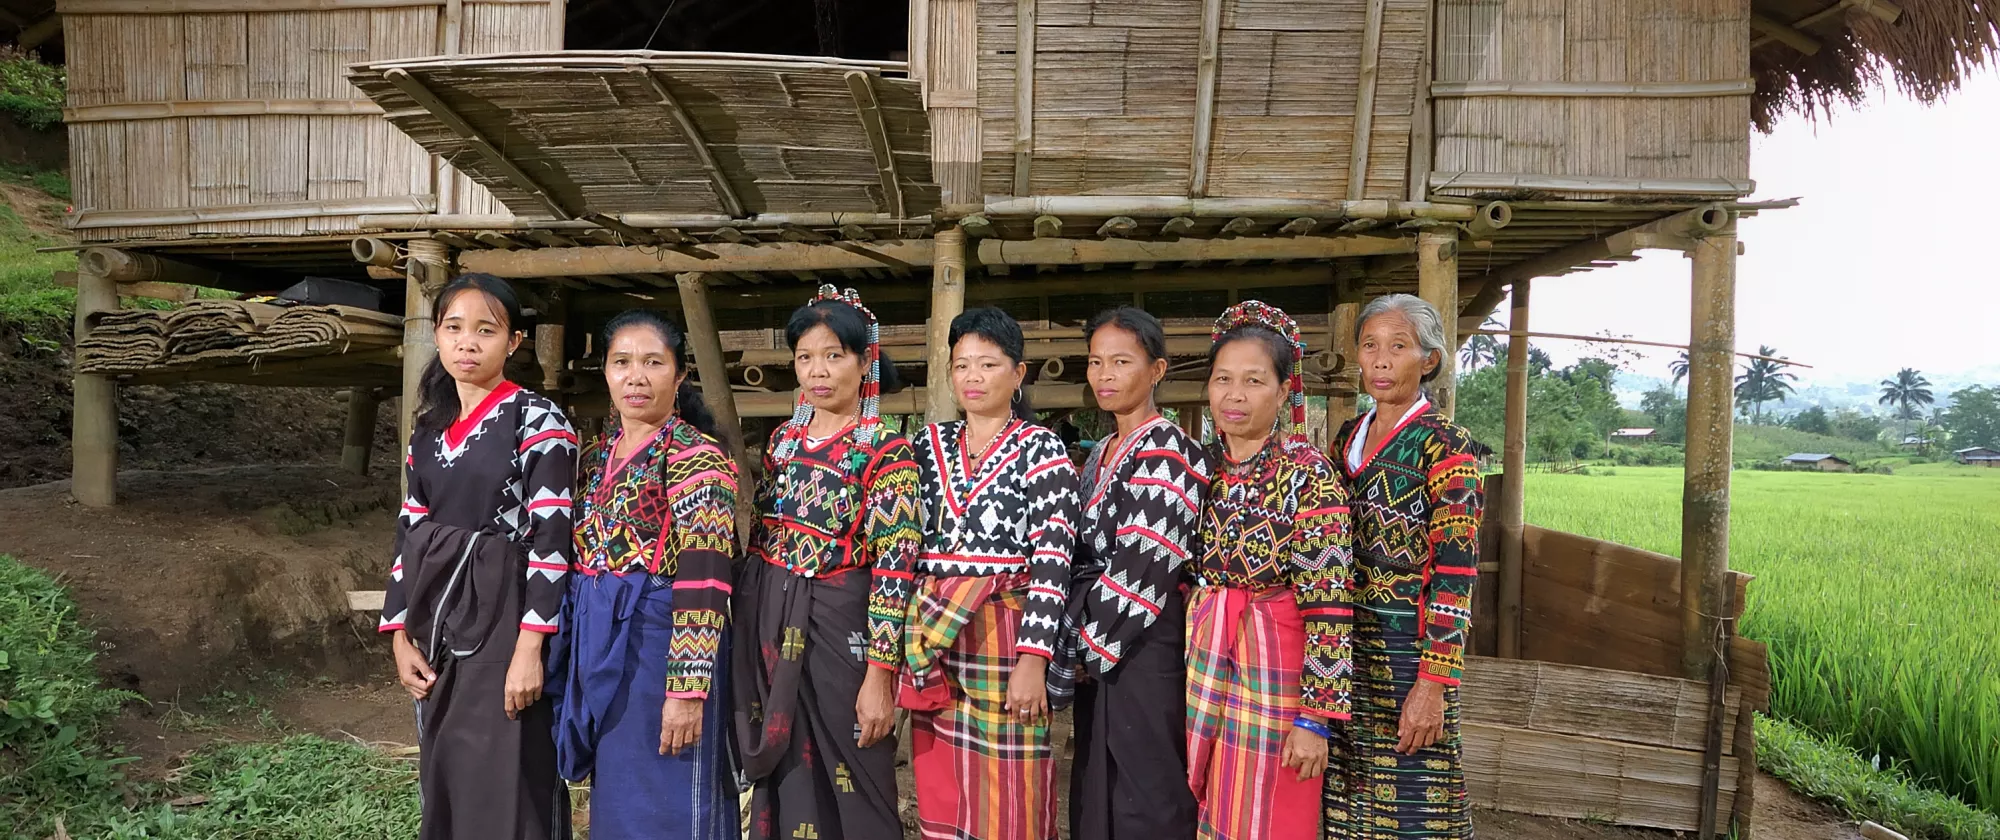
(1052, 157)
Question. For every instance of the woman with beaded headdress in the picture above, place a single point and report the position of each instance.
(1269, 617)
(1417, 501)
(820, 605)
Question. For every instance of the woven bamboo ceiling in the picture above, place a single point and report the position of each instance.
(577, 134)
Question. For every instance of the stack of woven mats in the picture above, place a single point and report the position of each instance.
(222, 333)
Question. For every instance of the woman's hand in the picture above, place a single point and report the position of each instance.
(875, 708)
(680, 724)
(524, 674)
(1028, 691)
(411, 670)
(1423, 718)
(1304, 750)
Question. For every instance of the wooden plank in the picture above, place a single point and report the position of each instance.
(1024, 95)
(1574, 777)
(690, 132)
(1206, 74)
(1639, 90)
(1653, 186)
(869, 109)
(219, 108)
(414, 89)
(279, 210)
(1592, 702)
(1364, 106)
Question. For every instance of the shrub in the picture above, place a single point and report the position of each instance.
(30, 91)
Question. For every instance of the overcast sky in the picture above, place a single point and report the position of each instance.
(1886, 262)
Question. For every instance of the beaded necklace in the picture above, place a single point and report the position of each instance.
(968, 471)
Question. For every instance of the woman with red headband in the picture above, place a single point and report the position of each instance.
(1269, 660)
(820, 605)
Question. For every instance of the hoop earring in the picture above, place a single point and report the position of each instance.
(1020, 393)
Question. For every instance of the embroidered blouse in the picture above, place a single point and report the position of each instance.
(1280, 519)
(1417, 503)
(1137, 527)
(1014, 510)
(836, 506)
(668, 511)
(506, 468)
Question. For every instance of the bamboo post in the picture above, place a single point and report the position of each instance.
(947, 301)
(1710, 425)
(551, 342)
(1514, 457)
(426, 272)
(94, 418)
(1437, 282)
(358, 441)
(710, 364)
(1191, 419)
(1346, 309)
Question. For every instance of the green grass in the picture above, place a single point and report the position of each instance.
(1770, 443)
(56, 768)
(1832, 773)
(28, 293)
(1879, 597)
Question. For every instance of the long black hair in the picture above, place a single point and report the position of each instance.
(437, 392)
(996, 326)
(1152, 335)
(848, 326)
(688, 402)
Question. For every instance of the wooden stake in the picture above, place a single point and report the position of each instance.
(1514, 458)
(713, 369)
(358, 441)
(428, 270)
(1024, 94)
(1710, 426)
(1437, 282)
(947, 301)
(1207, 72)
(94, 416)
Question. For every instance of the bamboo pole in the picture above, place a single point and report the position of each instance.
(1167, 206)
(1207, 73)
(1340, 336)
(947, 301)
(94, 416)
(1514, 458)
(706, 343)
(551, 341)
(1437, 282)
(1710, 426)
(427, 271)
(358, 439)
(1605, 339)
(1364, 105)
(1024, 95)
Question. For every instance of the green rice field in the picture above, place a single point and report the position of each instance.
(1879, 596)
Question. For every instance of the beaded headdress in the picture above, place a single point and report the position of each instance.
(1256, 313)
(871, 380)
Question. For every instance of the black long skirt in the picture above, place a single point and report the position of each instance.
(1129, 780)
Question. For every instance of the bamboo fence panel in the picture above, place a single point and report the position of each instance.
(1115, 94)
(1582, 778)
(236, 119)
(1662, 136)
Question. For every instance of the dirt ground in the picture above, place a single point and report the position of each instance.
(219, 596)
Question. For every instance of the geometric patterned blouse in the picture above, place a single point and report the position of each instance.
(506, 468)
(1279, 520)
(669, 512)
(837, 506)
(1013, 511)
(1417, 505)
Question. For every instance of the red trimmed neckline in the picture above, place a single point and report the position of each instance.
(1118, 455)
(454, 437)
(1422, 407)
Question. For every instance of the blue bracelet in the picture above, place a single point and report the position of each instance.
(1315, 727)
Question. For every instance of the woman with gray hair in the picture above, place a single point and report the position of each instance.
(1414, 494)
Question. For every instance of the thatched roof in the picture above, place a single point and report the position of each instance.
(1836, 50)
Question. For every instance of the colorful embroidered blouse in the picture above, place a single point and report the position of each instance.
(1417, 504)
(1280, 519)
(1137, 526)
(1012, 511)
(668, 511)
(507, 468)
(837, 506)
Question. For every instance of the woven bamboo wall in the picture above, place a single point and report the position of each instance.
(1592, 98)
(1117, 87)
(239, 120)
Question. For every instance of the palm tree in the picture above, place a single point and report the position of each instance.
(1679, 366)
(1907, 391)
(1482, 349)
(1763, 380)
